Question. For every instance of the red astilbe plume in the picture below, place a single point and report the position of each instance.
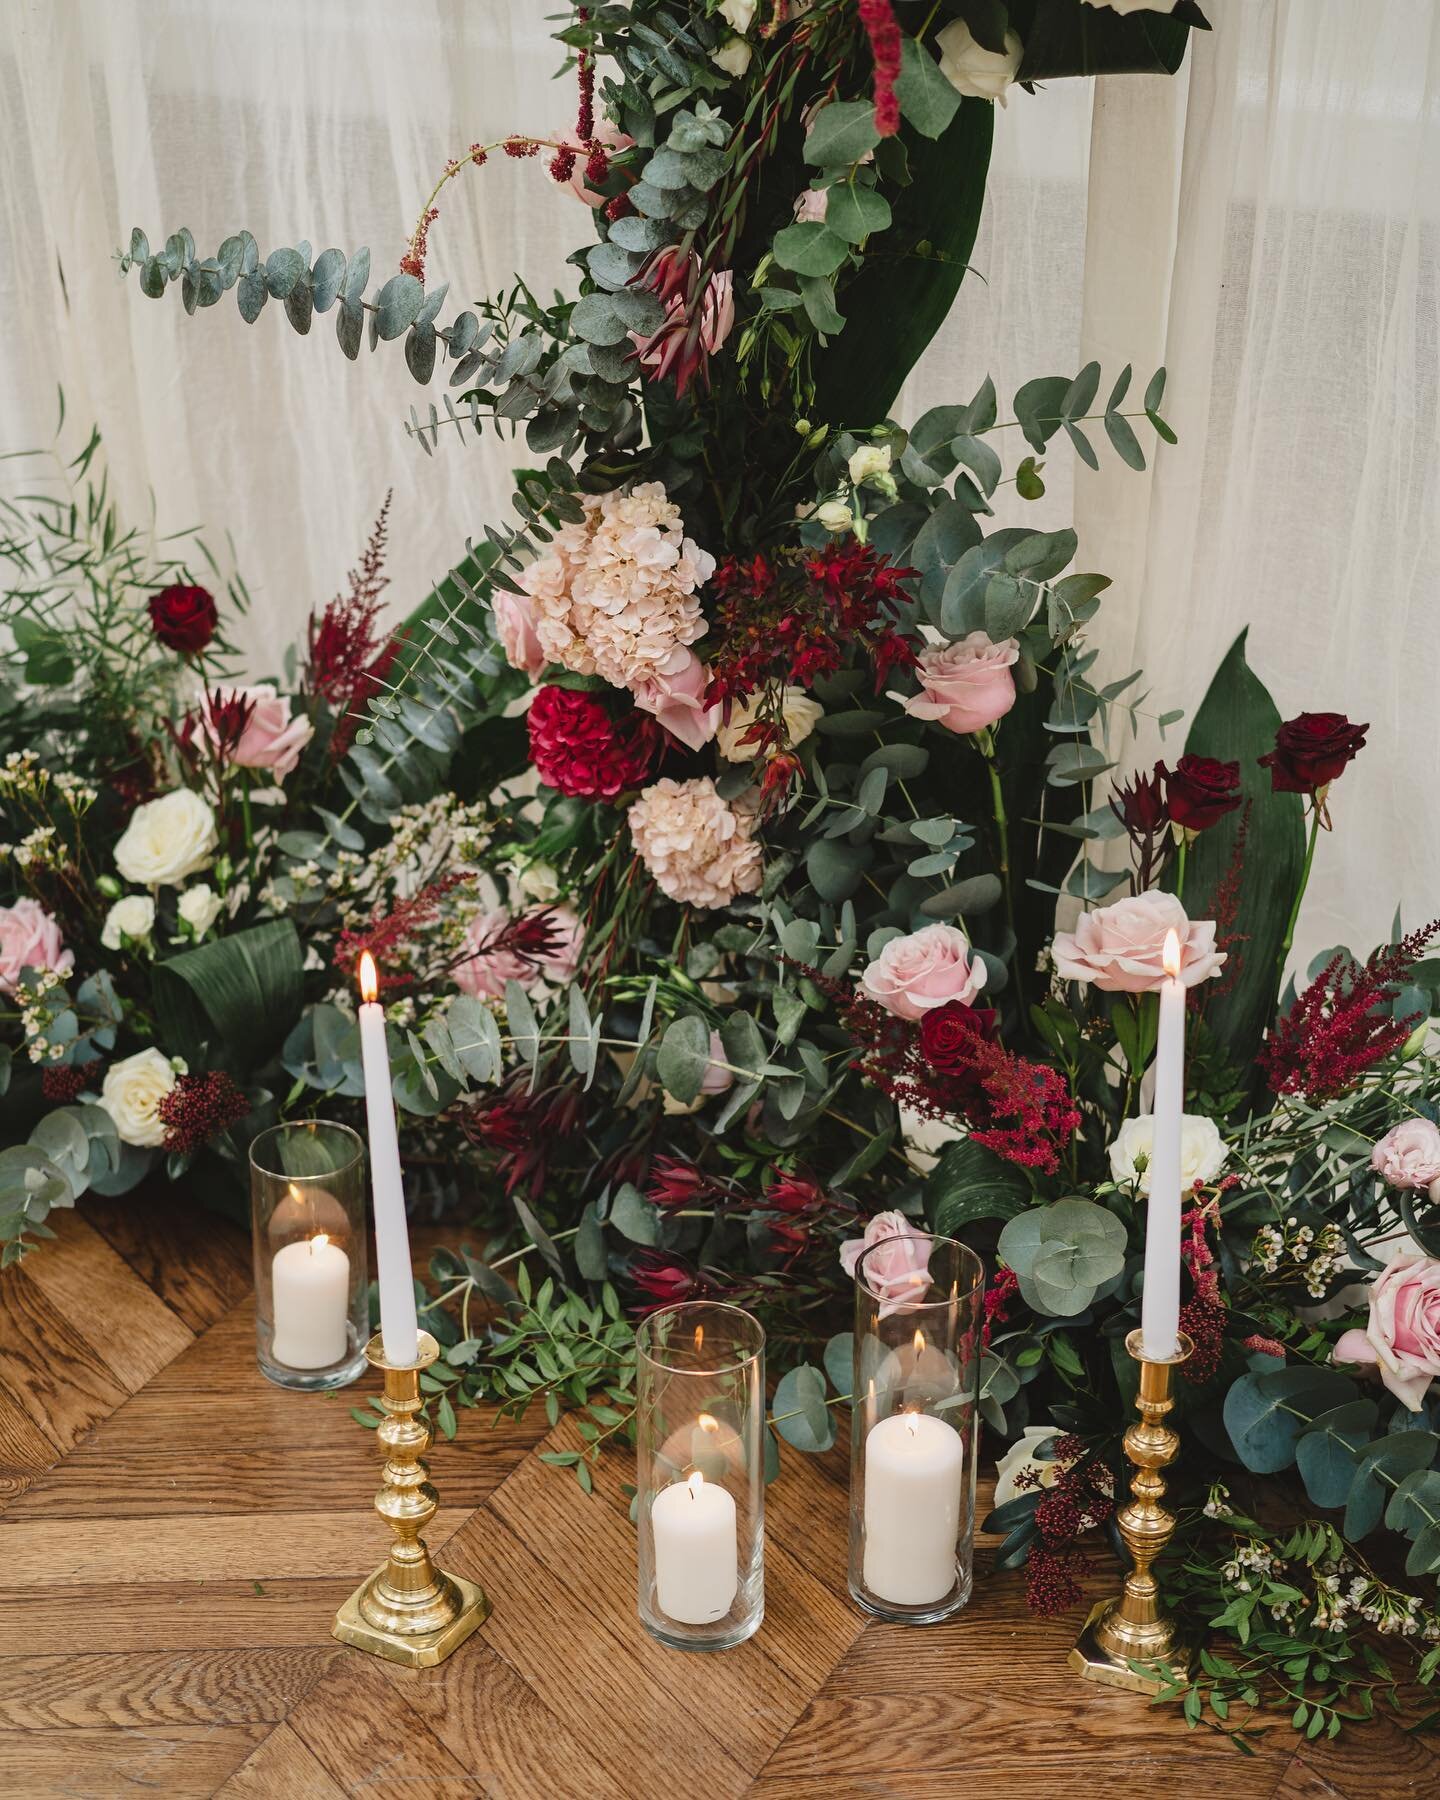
(1001, 1291)
(386, 934)
(797, 617)
(198, 1108)
(1021, 1110)
(1202, 1317)
(349, 655)
(884, 35)
(1341, 1025)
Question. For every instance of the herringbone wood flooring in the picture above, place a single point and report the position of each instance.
(177, 1535)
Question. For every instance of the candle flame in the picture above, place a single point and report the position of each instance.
(699, 1338)
(695, 1483)
(1170, 955)
(919, 1343)
(708, 1422)
(369, 978)
(319, 1241)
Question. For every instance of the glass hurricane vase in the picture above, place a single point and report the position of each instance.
(914, 1413)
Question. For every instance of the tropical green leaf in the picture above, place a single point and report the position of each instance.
(238, 995)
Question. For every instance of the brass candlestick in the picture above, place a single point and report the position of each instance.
(408, 1611)
(1133, 1628)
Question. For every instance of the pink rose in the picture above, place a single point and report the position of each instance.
(1408, 1155)
(675, 693)
(718, 1077)
(1403, 1335)
(515, 628)
(965, 686)
(30, 939)
(930, 967)
(485, 971)
(898, 1273)
(1120, 947)
(612, 141)
(271, 738)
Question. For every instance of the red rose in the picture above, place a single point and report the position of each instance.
(1311, 750)
(183, 618)
(577, 747)
(948, 1034)
(1200, 791)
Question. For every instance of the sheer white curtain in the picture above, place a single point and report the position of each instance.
(1265, 225)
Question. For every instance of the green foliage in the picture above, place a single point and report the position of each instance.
(971, 1183)
(1236, 722)
(226, 1003)
(1063, 1254)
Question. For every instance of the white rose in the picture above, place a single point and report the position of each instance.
(835, 515)
(869, 461)
(1128, 6)
(733, 56)
(1202, 1151)
(538, 881)
(740, 14)
(971, 69)
(133, 918)
(798, 710)
(133, 1090)
(200, 907)
(167, 839)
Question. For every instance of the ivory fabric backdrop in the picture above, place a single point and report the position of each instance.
(1265, 225)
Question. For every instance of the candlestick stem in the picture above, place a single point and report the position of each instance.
(1134, 1629)
(408, 1611)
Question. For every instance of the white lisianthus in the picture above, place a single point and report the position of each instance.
(133, 1090)
(167, 839)
(1202, 1151)
(1020, 1458)
(733, 56)
(739, 15)
(200, 907)
(797, 709)
(835, 515)
(1128, 6)
(972, 69)
(868, 462)
(132, 917)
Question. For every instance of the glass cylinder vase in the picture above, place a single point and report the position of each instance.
(700, 1474)
(914, 1414)
(307, 1215)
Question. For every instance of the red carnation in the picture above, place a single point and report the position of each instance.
(1200, 790)
(183, 618)
(577, 747)
(1311, 750)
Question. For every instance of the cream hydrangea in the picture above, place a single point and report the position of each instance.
(133, 1090)
(799, 712)
(698, 847)
(617, 594)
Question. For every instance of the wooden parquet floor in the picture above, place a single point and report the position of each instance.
(177, 1534)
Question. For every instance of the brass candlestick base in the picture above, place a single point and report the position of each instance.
(1133, 1628)
(407, 1611)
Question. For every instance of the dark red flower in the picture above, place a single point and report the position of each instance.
(674, 1184)
(61, 1083)
(1311, 750)
(350, 654)
(1200, 791)
(662, 1280)
(885, 43)
(948, 1033)
(578, 748)
(198, 1108)
(1139, 804)
(793, 1193)
(183, 618)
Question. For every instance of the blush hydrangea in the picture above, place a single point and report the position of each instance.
(698, 847)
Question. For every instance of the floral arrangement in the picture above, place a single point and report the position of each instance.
(779, 755)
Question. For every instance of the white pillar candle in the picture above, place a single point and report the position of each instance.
(392, 1237)
(697, 1556)
(310, 1283)
(913, 1466)
(1160, 1301)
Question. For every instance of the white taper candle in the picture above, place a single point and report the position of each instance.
(392, 1237)
(1160, 1302)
